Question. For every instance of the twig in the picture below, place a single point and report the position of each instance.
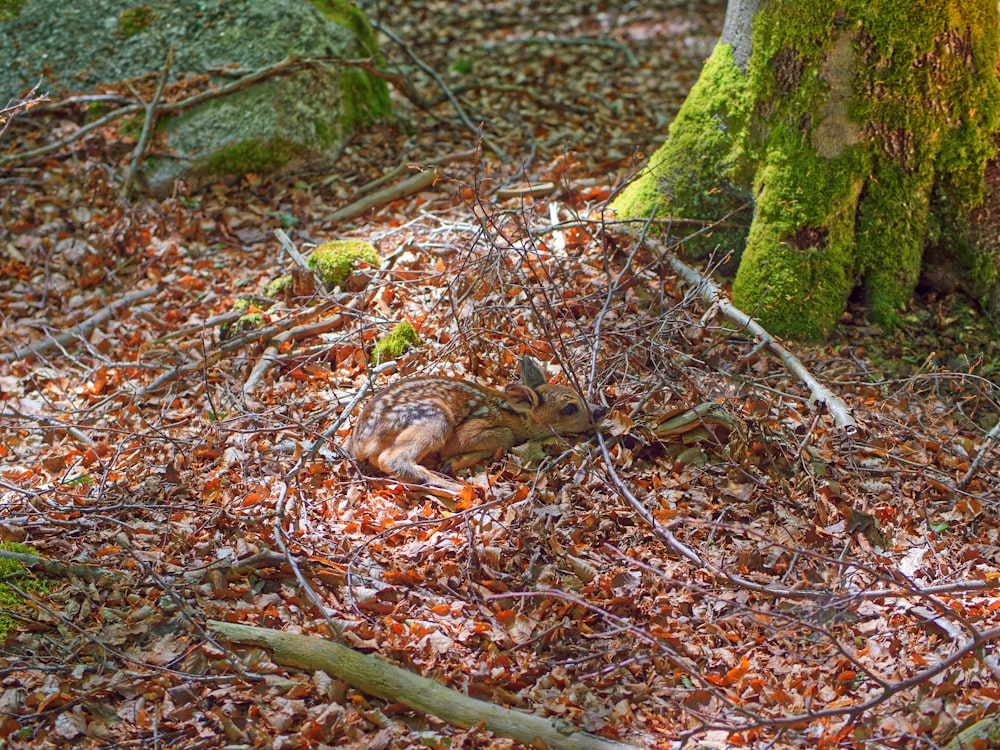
(991, 438)
(284, 67)
(293, 252)
(56, 568)
(397, 171)
(230, 346)
(80, 330)
(31, 99)
(714, 296)
(139, 153)
(279, 536)
(49, 422)
(443, 86)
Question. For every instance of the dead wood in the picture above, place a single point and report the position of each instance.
(79, 331)
(374, 676)
(714, 296)
(412, 184)
(52, 567)
(139, 153)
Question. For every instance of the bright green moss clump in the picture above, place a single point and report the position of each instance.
(699, 173)
(15, 572)
(334, 261)
(398, 340)
(135, 20)
(252, 157)
(278, 285)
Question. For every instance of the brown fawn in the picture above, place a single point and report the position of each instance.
(463, 423)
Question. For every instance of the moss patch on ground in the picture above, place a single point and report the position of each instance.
(334, 261)
(403, 336)
(15, 572)
(135, 20)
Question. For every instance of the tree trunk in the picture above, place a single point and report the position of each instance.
(860, 130)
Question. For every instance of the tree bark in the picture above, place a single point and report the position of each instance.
(861, 130)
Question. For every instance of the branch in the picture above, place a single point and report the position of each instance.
(147, 128)
(443, 86)
(81, 330)
(377, 677)
(412, 184)
(714, 296)
(56, 568)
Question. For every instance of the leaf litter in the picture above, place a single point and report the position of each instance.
(797, 587)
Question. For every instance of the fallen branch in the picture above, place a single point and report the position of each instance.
(443, 86)
(376, 677)
(392, 174)
(260, 334)
(79, 331)
(714, 296)
(284, 67)
(139, 153)
(52, 567)
(412, 184)
(991, 439)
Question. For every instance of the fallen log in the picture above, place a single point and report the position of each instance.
(377, 677)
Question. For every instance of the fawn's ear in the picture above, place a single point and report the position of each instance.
(521, 397)
(531, 372)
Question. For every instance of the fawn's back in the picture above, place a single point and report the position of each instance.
(462, 422)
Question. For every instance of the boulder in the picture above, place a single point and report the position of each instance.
(281, 122)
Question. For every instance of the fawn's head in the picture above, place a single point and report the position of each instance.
(556, 407)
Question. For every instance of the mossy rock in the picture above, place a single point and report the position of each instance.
(335, 261)
(279, 124)
(394, 344)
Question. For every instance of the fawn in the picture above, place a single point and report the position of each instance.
(463, 423)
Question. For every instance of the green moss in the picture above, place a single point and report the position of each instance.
(135, 20)
(9, 9)
(15, 572)
(395, 343)
(279, 285)
(366, 98)
(699, 172)
(798, 268)
(250, 320)
(891, 232)
(334, 261)
(252, 157)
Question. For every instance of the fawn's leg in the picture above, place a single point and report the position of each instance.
(402, 458)
(474, 442)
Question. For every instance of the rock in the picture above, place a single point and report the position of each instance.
(280, 123)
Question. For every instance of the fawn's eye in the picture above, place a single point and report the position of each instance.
(569, 410)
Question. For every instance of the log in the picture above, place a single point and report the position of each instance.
(377, 677)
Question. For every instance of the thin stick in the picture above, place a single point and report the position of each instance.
(412, 184)
(139, 153)
(443, 86)
(713, 295)
(79, 331)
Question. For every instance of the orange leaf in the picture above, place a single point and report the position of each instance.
(737, 673)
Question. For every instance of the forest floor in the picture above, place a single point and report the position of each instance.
(765, 578)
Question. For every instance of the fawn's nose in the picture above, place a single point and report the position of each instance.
(597, 414)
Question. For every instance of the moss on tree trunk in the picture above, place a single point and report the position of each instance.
(861, 129)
